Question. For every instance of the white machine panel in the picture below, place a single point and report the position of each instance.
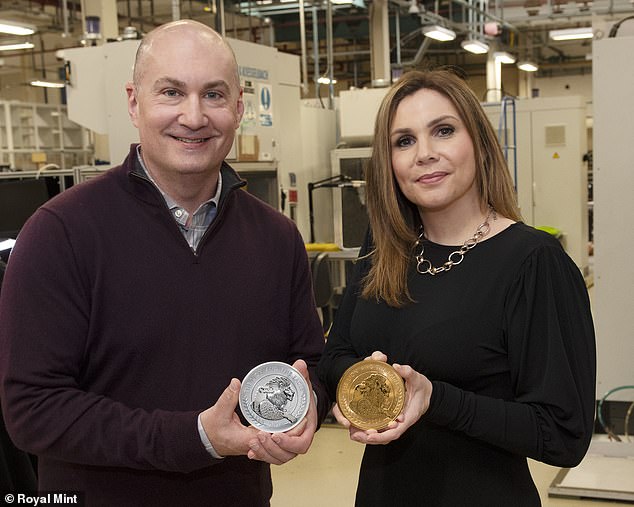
(613, 178)
(358, 110)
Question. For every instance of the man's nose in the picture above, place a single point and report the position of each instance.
(192, 114)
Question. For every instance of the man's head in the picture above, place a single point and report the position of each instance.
(185, 99)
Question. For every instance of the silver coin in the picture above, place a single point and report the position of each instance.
(274, 397)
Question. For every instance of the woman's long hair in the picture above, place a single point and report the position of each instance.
(394, 220)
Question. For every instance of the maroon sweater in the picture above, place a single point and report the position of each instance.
(115, 336)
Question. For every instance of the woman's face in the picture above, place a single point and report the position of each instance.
(432, 153)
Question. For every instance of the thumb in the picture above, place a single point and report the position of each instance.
(228, 400)
(300, 366)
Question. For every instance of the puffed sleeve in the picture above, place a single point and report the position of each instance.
(552, 361)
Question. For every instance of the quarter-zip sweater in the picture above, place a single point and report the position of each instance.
(115, 335)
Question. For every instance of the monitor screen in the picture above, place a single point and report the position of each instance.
(18, 201)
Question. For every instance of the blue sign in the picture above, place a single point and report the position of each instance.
(265, 98)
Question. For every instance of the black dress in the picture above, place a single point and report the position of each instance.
(507, 339)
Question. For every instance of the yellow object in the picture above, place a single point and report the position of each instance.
(322, 247)
(38, 157)
(553, 231)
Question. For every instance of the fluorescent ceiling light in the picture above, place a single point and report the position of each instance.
(571, 33)
(504, 57)
(46, 84)
(438, 32)
(21, 45)
(475, 46)
(16, 28)
(527, 66)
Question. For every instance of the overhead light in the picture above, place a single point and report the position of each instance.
(571, 33)
(504, 57)
(475, 46)
(438, 32)
(16, 28)
(46, 84)
(21, 45)
(413, 7)
(527, 66)
(325, 80)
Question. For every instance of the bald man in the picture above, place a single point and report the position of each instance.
(134, 303)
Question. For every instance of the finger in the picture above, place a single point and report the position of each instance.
(339, 416)
(404, 371)
(377, 355)
(299, 429)
(293, 444)
(267, 449)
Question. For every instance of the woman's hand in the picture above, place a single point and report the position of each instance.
(418, 393)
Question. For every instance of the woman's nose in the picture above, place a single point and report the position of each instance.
(425, 152)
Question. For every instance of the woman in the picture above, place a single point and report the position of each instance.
(486, 319)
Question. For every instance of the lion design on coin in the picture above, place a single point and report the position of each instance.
(272, 398)
(371, 397)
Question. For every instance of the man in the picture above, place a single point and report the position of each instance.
(133, 303)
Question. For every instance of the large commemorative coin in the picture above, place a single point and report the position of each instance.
(370, 394)
(274, 397)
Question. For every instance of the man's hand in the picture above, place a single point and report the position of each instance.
(223, 427)
(279, 448)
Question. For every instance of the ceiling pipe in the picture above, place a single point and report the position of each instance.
(221, 15)
(302, 36)
(65, 17)
(331, 86)
(176, 10)
(315, 19)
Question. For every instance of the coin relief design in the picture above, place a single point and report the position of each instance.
(371, 394)
(274, 397)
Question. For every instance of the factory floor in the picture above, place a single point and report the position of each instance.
(327, 476)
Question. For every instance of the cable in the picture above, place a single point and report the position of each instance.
(607, 429)
(627, 421)
(616, 26)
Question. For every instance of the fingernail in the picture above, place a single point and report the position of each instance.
(253, 445)
(276, 439)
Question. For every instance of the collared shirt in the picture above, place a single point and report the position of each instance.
(200, 220)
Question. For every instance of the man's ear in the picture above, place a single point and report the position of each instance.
(133, 103)
(239, 109)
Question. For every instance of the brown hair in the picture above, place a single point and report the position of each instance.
(394, 220)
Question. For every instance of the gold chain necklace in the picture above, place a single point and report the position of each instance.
(424, 266)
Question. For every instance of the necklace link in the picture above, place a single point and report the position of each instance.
(425, 267)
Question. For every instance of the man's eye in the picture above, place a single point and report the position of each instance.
(171, 93)
(212, 95)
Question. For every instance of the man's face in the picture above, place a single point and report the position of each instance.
(186, 104)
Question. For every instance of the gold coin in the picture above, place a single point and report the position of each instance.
(370, 394)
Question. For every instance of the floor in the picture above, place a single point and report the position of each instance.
(327, 476)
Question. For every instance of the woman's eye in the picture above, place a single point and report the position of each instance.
(445, 131)
(404, 141)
